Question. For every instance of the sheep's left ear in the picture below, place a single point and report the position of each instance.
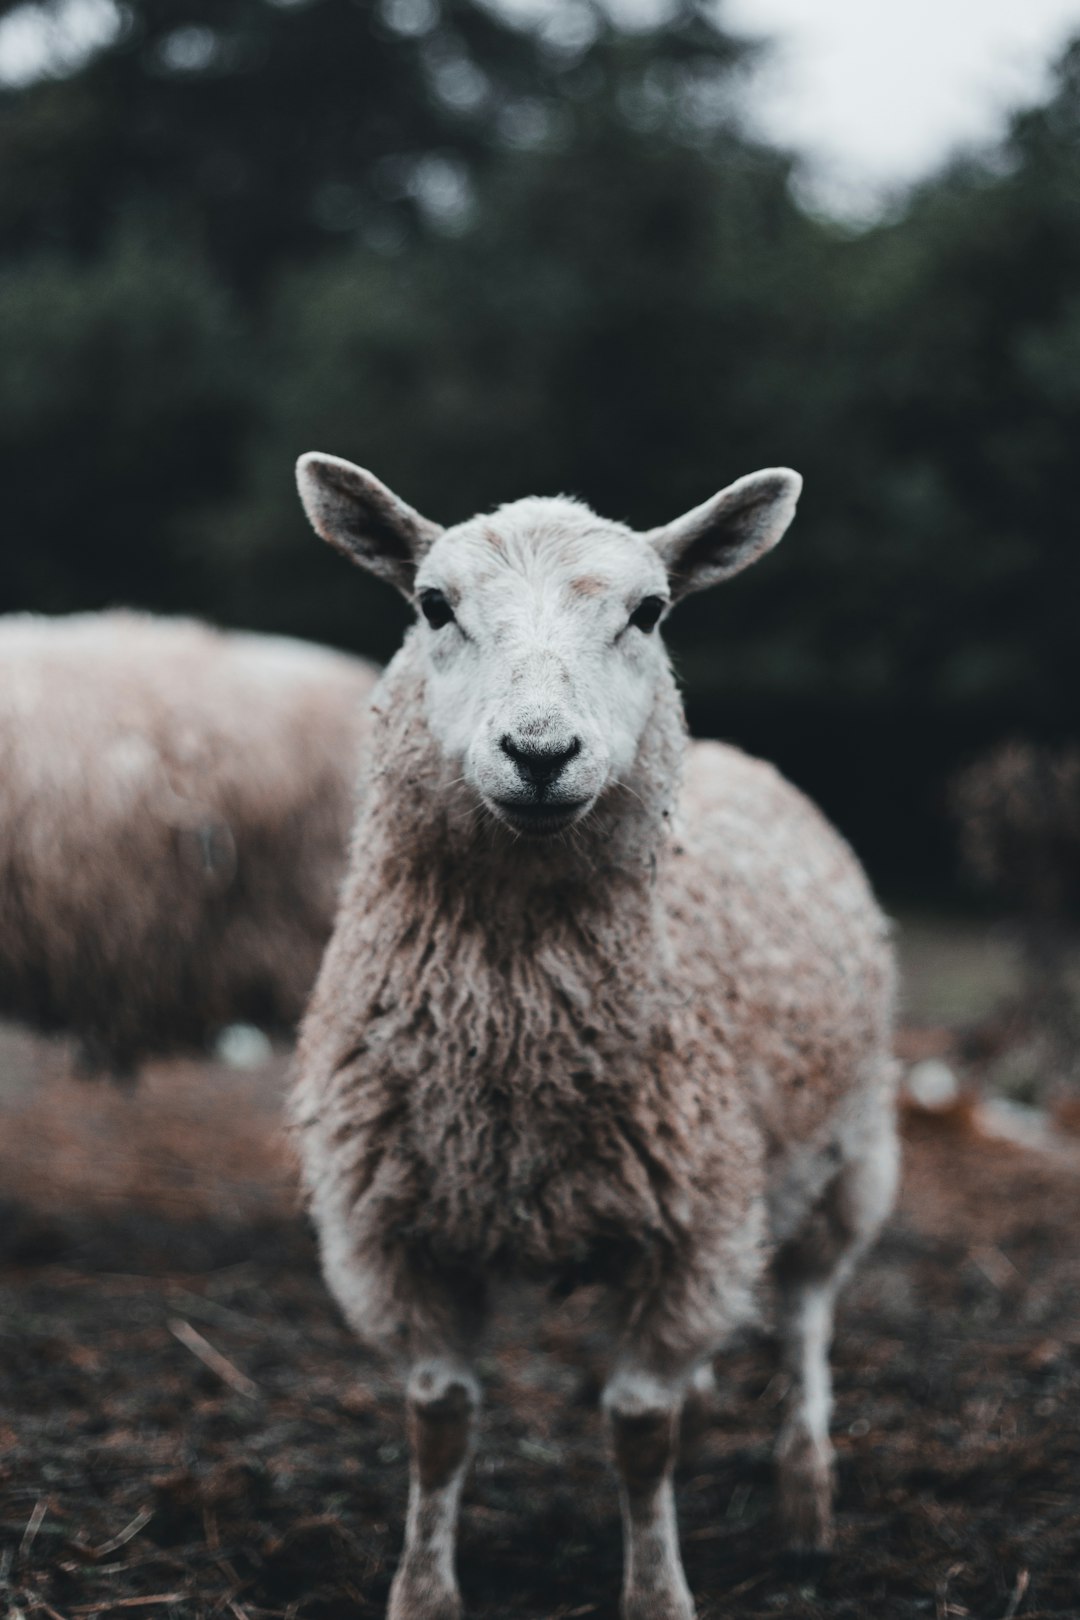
(352, 509)
(728, 532)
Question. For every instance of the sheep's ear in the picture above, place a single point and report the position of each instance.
(728, 532)
(361, 517)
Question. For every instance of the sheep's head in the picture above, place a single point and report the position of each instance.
(539, 627)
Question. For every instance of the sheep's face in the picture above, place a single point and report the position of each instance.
(539, 629)
(539, 624)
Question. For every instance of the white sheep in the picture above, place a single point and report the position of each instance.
(597, 1007)
(174, 813)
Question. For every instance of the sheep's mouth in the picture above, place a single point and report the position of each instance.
(539, 818)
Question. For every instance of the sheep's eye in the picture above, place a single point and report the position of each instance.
(646, 615)
(436, 609)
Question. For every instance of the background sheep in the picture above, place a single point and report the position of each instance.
(174, 812)
(553, 1036)
(1017, 811)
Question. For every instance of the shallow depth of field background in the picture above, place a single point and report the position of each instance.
(488, 250)
(486, 259)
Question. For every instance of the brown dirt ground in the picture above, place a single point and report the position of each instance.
(144, 1235)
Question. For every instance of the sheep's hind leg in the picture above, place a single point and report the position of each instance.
(442, 1401)
(810, 1270)
(804, 1455)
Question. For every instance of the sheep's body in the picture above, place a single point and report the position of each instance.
(175, 804)
(652, 1052)
(503, 1071)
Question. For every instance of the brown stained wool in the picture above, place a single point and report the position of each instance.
(588, 585)
(639, 1052)
(174, 813)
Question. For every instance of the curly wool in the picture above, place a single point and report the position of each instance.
(624, 1054)
(175, 805)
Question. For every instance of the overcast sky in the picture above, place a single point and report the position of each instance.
(875, 92)
(878, 91)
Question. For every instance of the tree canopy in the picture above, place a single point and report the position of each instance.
(487, 258)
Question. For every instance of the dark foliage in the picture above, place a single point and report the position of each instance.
(485, 259)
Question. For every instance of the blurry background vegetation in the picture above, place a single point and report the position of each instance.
(486, 259)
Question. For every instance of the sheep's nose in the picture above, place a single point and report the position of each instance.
(539, 766)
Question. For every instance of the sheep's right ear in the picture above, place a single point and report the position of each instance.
(361, 517)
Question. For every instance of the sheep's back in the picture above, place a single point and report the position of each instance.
(175, 804)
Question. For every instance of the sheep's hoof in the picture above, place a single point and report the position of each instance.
(419, 1597)
(804, 1493)
(673, 1604)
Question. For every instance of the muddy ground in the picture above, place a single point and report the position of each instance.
(187, 1429)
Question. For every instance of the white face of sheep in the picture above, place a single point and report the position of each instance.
(540, 633)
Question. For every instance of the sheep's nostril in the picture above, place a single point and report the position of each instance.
(539, 766)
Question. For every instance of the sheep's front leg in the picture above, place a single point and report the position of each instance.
(442, 1402)
(643, 1410)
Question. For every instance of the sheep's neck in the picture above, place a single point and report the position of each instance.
(575, 912)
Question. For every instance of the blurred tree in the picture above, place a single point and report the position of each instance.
(628, 246)
(261, 130)
(122, 409)
(975, 391)
(484, 258)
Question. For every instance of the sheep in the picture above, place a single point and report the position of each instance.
(175, 804)
(599, 1006)
(1017, 811)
